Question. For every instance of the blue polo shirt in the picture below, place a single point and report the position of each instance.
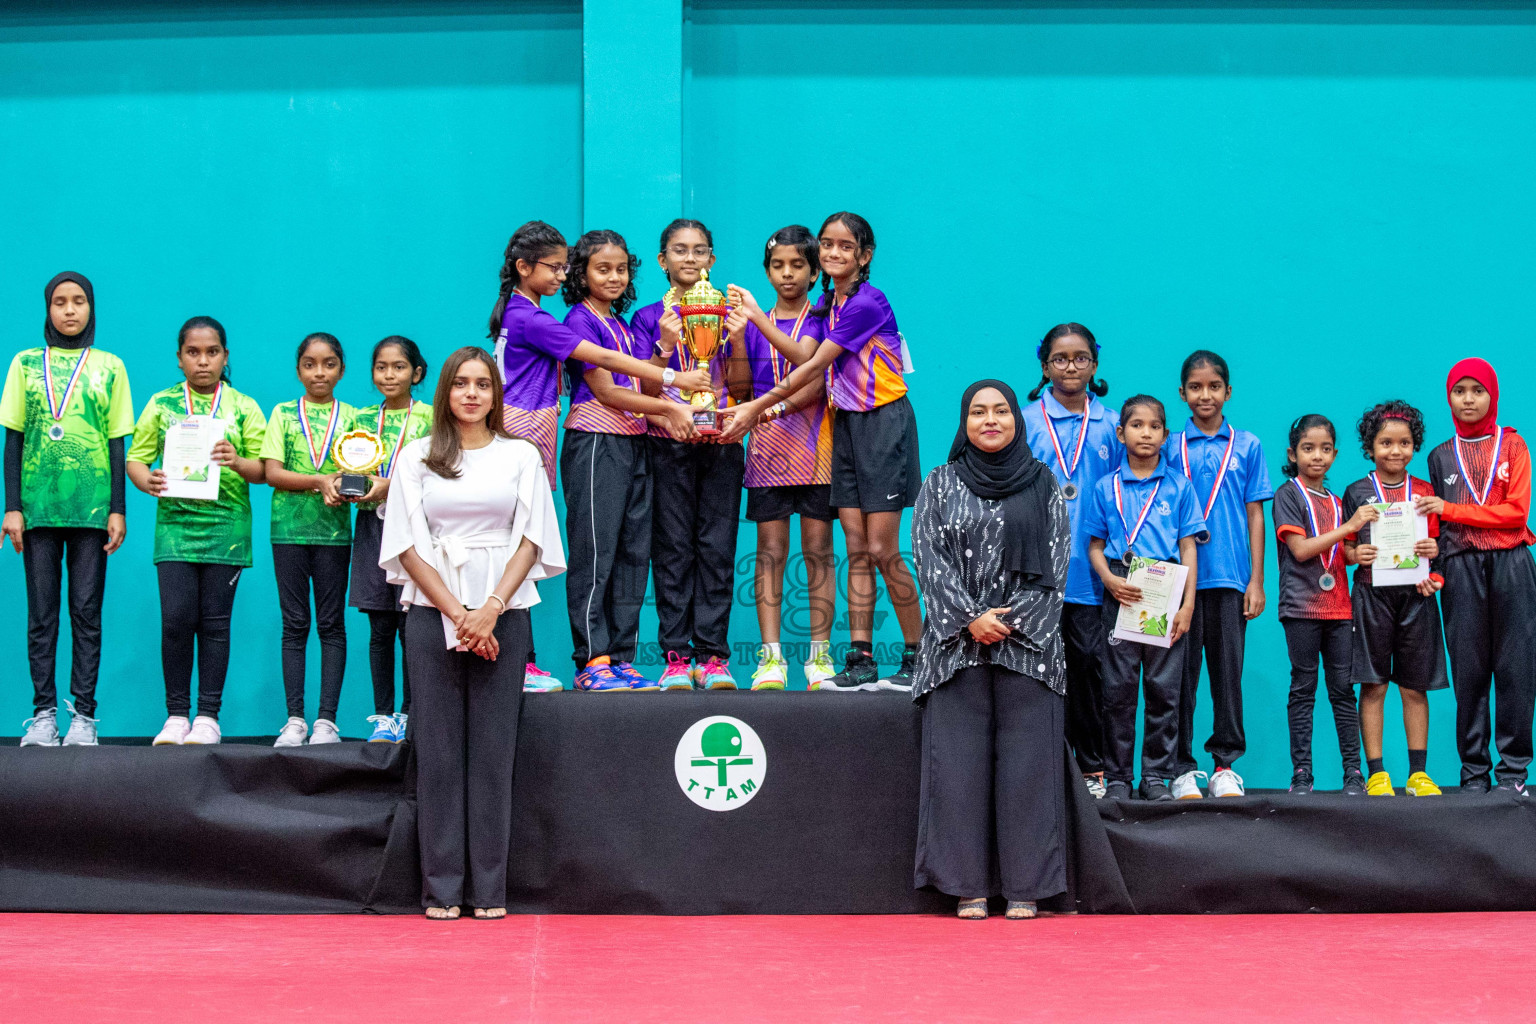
(1175, 514)
(1224, 561)
(1102, 452)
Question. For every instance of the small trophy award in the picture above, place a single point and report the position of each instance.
(357, 453)
(703, 311)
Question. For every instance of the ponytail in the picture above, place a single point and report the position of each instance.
(529, 243)
(864, 236)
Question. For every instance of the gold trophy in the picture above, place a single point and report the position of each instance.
(357, 453)
(703, 311)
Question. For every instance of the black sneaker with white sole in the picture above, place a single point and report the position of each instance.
(900, 681)
(1301, 782)
(1116, 790)
(859, 673)
(1511, 787)
(1354, 782)
(1154, 789)
(1476, 785)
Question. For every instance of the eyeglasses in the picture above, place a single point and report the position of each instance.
(1081, 361)
(682, 252)
(559, 268)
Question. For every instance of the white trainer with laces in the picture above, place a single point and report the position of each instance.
(42, 730)
(82, 729)
(1187, 786)
(1095, 785)
(173, 732)
(325, 731)
(205, 732)
(1226, 782)
(293, 734)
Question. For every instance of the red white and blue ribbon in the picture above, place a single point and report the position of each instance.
(1481, 494)
(58, 406)
(213, 410)
(776, 358)
(318, 458)
(1141, 520)
(1381, 496)
(1338, 515)
(1082, 436)
(410, 410)
(621, 337)
(1221, 474)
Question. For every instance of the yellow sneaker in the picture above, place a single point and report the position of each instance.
(1379, 784)
(1420, 784)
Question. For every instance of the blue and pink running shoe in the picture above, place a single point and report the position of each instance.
(679, 673)
(716, 675)
(600, 677)
(536, 680)
(637, 682)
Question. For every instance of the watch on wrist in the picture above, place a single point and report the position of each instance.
(668, 376)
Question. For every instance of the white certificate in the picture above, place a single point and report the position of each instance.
(188, 458)
(1394, 536)
(1150, 620)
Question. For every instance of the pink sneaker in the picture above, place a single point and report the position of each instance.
(536, 680)
(679, 673)
(717, 675)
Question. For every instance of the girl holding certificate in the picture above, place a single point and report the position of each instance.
(1397, 635)
(1145, 510)
(398, 420)
(202, 544)
(992, 544)
(67, 413)
(1226, 467)
(1482, 480)
(311, 533)
(1315, 609)
(1073, 432)
(470, 525)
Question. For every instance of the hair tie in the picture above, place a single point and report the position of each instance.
(1394, 416)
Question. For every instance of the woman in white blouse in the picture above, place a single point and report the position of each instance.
(470, 524)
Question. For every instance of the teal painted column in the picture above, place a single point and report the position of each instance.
(632, 123)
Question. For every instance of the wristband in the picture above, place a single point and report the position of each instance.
(498, 600)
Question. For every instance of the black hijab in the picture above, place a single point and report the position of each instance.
(1015, 477)
(52, 335)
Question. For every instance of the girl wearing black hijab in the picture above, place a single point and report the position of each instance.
(66, 411)
(991, 540)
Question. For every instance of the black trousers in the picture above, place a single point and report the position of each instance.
(607, 483)
(1158, 672)
(993, 816)
(1082, 628)
(696, 507)
(1489, 603)
(383, 628)
(46, 551)
(298, 567)
(196, 600)
(1331, 641)
(464, 732)
(1217, 632)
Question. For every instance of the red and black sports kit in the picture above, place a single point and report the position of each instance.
(1489, 596)
(1316, 613)
(1397, 630)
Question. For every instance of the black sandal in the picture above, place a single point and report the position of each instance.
(972, 910)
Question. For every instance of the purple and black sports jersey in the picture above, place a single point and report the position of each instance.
(529, 351)
(796, 449)
(611, 332)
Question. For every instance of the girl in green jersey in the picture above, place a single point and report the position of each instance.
(201, 544)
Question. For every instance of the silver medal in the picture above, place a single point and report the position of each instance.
(1069, 490)
(56, 432)
(1127, 558)
(1326, 581)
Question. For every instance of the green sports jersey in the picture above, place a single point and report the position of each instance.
(66, 478)
(188, 530)
(303, 517)
(419, 425)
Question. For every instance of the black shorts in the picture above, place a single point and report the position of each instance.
(1397, 639)
(874, 458)
(809, 501)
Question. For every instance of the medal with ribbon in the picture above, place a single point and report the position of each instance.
(776, 360)
(317, 456)
(213, 410)
(622, 341)
(389, 466)
(1068, 488)
(1221, 472)
(1480, 494)
(1377, 485)
(1326, 581)
(1141, 520)
(57, 406)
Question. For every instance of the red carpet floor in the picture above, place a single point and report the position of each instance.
(739, 970)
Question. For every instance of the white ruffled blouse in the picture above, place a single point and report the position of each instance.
(468, 528)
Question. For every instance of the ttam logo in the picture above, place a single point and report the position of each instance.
(720, 763)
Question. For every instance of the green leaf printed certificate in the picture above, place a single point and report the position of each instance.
(1394, 536)
(188, 458)
(1149, 620)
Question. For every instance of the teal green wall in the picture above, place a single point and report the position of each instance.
(1335, 197)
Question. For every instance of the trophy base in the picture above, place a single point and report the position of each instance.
(354, 485)
(707, 421)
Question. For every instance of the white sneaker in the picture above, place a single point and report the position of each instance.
(401, 721)
(173, 732)
(1187, 786)
(1226, 782)
(293, 733)
(324, 732)
(82, 729)
(205, 732)
(1095, 786)
(42, 730)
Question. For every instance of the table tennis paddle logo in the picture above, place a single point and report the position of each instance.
(720, 763)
